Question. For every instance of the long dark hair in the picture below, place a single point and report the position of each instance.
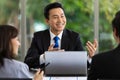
(7, 32)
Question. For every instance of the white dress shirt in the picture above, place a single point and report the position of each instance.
(52, 35)
(42, 60)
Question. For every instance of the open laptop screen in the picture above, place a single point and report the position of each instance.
(66, 63)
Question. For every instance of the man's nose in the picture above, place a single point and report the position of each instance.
(59, 19)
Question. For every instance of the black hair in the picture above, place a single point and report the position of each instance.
(51, 6)
(116, 23)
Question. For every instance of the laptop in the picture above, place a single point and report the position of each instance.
(66, 63)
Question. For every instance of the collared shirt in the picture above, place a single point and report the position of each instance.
(41, 59)
(52, 40)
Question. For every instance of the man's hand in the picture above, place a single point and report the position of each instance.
(50, 48)
(54, 49)
(92, 47)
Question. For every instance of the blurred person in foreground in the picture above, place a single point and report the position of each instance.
(106, 65)
(9, 67)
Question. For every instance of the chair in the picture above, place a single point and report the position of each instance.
(108, 79)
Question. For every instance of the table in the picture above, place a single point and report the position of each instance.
(65, 78)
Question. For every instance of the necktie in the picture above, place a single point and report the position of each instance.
(56, 38)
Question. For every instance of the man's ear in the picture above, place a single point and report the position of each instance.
(47, 21)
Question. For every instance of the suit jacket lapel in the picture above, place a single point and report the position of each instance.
(65, 41)
(46, 40)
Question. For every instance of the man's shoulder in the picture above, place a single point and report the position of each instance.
(70, 32)
(104, 55)
(41, 33)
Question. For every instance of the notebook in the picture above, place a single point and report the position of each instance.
(66, 63)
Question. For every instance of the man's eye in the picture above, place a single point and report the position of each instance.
(62, 16)
(55, 17)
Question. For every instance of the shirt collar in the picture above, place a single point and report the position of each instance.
(53, 35)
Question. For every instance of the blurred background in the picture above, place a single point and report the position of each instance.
(90, 18)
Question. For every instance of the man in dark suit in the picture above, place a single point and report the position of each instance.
(107, 64)
(44, 40)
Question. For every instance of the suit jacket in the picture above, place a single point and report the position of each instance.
(14, 69)
(41, 41)
(106, 65)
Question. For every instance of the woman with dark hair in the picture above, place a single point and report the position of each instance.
(9, 67)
